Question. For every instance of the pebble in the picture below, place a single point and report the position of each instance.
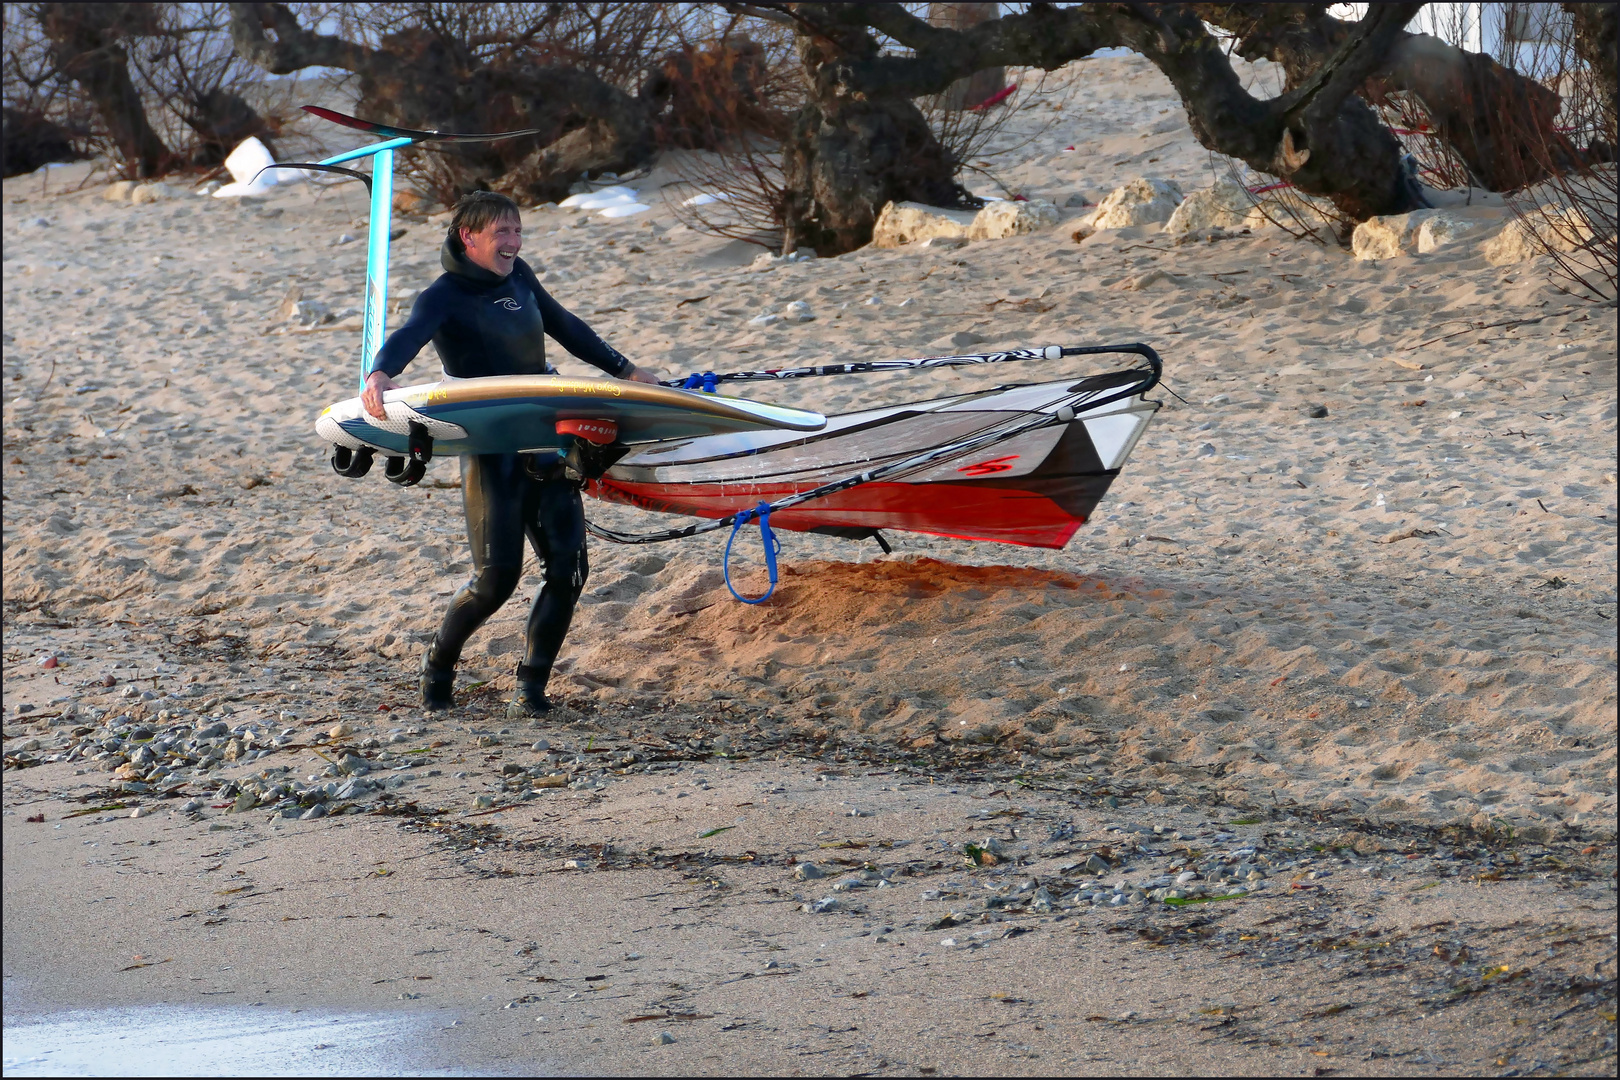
(818, 907)
(664, 1038)
(541, 746)
(1315, 412)
(798, 312)
(808, 871)
(338, 730)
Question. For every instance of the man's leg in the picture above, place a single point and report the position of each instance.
(492, 492)
(556, 528)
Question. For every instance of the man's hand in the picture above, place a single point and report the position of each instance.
(372, 399)
(636, 374)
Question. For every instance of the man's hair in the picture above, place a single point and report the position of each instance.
(477, 211)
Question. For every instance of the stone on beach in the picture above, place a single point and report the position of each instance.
(912, 223)
(999, 220)
(1144, 201)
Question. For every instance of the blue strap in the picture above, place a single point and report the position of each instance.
(711, 382)
(772, 546)
(706, 381)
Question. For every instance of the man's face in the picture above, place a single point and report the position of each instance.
(497, 246)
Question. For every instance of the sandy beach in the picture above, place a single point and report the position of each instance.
(1377, 644)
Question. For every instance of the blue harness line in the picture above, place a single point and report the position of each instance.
(772, 546)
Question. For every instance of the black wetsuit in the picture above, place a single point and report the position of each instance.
(484, 324)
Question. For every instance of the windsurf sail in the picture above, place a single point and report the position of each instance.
(1024, 464)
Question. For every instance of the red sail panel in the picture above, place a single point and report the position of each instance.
(970, 511)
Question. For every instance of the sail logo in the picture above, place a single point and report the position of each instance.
(508, 303)
(986, 468)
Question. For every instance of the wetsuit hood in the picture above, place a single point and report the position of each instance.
(454, 260)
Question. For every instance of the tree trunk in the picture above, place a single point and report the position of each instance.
(981, 85)
(86, 44)
(851, 152)
(1595, 32)
(1499, 122)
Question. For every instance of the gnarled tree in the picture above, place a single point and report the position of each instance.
(860, 141)
(587, 75)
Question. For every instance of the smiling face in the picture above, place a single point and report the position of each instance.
(496, 247)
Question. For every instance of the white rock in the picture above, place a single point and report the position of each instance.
(118, 191)
(999, 220)
(911, 223)
(245, 164)
(1527, 237)
(590, 200)
(1449, 226)
(1143, 201)
(1225, 206)
(797, 312)
(768, 319)
(151, 193)
(1388, 236)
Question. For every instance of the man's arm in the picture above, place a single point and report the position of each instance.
(400, 349)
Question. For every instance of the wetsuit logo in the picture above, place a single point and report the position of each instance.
(508, 303)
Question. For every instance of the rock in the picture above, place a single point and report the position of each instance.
(1186, 877)
(118, 191)
(1076, 200)
(354, 788)
(211, 731)
(1525, 238)
(944, 243)
(1000, 220)
(664, 1038)
(1315, 412)
(822, 906)
(808, 871)
(142, 811)
(1141, 202)
(339, 730)
(912, 223)
(345, 238)
(541, 746)
(483, 802)
(311, 313)
(797, 312)
(1388, 236)
(353, 763)
(770, 318)
(151, 193)
(1449, 226)
(1225, 206)
(1096, 864)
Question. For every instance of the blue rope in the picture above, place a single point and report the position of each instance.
(772, 546)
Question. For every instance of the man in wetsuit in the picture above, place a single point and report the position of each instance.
(488, 315)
